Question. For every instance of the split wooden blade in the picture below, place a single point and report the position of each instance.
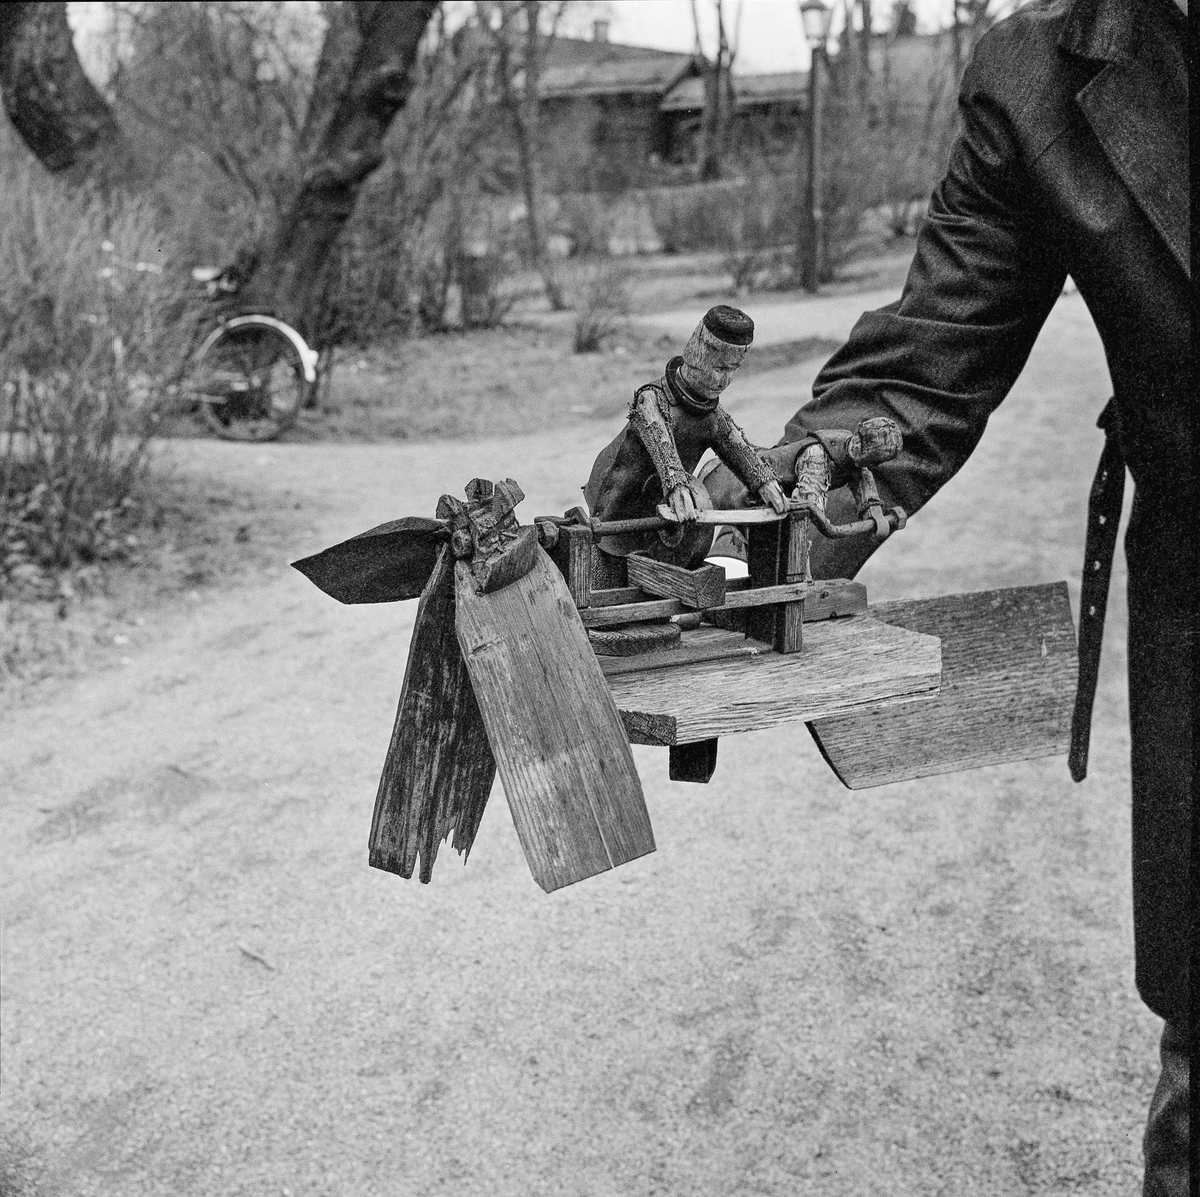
(1009, 670)
(382, 565)
(562, 752)
(439, 769)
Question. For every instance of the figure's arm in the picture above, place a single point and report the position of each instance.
(647, 419)
(731, 445)
(987, 271)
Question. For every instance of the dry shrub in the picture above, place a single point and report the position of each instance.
(94, 323)
(600, 294)
(748, 219)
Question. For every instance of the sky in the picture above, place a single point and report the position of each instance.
(769, 38)
(770, 34)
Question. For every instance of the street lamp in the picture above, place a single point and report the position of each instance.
(815, 17)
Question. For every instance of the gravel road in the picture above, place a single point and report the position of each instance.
(920, 989)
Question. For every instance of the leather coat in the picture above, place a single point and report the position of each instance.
(1072, 159)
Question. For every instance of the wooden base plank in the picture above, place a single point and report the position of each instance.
(1009, 670)
(559, 743)
(846, 665)
(439, 769)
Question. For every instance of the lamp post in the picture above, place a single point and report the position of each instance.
(815, 17)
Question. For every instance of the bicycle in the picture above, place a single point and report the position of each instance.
(251, 374)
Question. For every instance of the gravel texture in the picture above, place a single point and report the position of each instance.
(921, 989)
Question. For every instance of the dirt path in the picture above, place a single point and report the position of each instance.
(921, 989)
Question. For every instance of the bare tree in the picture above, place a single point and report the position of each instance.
(52, 104)
(363, 77)
(717, 74)
(522, 32)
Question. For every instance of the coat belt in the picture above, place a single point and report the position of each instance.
(1104, 514)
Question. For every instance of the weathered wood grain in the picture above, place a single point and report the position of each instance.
(514, 560)
(833, 599)
(573, 556)
(762, 596)
(634, 640)
(846, 665)
(789, 622)
(563, 756)
(439, 769)
(825, 600)
(617, 596)
(776, 556)
(698, 588)
(751, 516)
(704, 644)
(1009, 670)
(693, 762)
(822, 600)
(599, 617)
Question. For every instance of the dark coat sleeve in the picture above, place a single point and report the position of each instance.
(940, 360)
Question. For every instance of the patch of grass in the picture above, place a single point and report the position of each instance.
(502, 382)
(490, 382)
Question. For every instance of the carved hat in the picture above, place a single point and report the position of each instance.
(730, 325)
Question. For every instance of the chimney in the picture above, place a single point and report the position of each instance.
(599, 31)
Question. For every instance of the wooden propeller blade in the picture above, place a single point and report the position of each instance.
(382, 565)
(563, 755)
(439, 769)
(1008, 684)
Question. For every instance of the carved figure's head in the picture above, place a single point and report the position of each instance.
(716, 349)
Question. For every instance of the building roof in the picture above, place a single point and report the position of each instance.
(748, 91)
(577, 67)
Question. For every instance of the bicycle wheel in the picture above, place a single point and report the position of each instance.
(249, 380)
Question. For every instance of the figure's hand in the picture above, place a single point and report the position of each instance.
(771, 493)
(682, 505)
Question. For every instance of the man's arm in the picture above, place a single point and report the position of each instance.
(939, 361)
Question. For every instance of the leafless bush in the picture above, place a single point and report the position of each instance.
(693, 217)
(744, 217)
(600, 294)
(93, 325)
(482, 278)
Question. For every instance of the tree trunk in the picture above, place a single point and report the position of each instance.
(364, 76)
(66, 123)
(524, 111)
(864, 78)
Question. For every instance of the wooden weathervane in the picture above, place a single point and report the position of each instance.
(545, 650)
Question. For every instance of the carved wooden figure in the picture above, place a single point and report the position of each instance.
(672, 422)
(540, 652)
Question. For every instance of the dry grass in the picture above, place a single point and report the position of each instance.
(500, 382)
